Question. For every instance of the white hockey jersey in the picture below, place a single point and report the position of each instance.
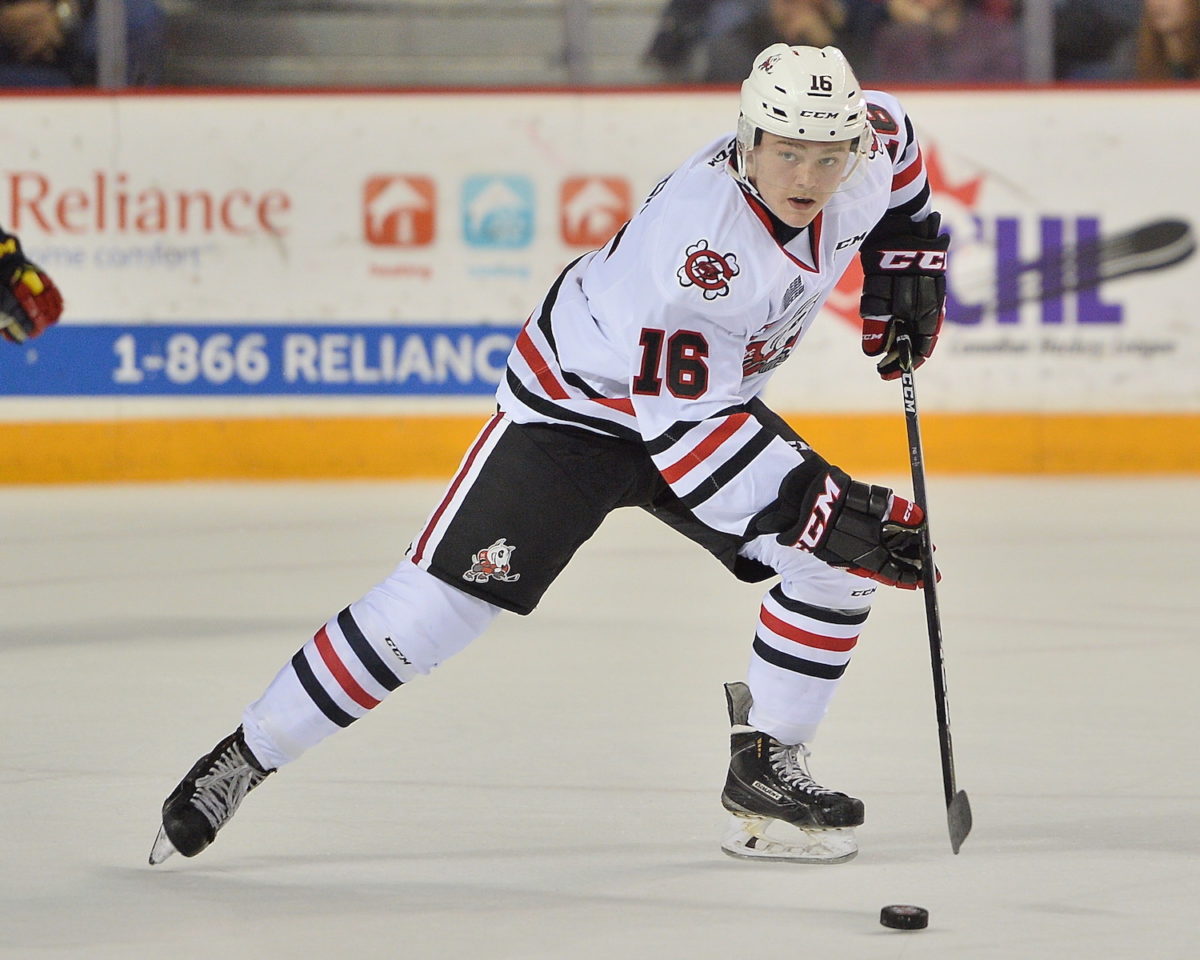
(665, 334)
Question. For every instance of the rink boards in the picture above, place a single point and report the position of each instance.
(322, 285)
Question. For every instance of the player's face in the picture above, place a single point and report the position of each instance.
(796, 178)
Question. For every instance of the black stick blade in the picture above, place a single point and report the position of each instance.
(958, 816)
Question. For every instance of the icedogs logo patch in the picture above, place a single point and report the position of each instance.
(492, 563)
(708, 270)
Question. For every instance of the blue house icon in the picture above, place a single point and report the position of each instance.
(497, 211)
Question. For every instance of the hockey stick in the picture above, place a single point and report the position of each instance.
(958, 808)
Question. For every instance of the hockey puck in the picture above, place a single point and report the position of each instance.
(901, 916)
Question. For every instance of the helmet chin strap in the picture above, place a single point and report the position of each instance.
(735, 171)
(738, 169)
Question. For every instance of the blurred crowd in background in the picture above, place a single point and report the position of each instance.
(934, 41)
(53, 43)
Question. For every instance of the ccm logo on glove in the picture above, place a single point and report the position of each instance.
(865, 529)
(912, 259)
(822, 512)
(904, 289)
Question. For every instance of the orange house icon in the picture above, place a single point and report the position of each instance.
(399, 211)
(592, 209)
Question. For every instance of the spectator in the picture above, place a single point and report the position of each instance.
(1093, 39)
(949, 41)
(54, 43)
(814, 23)
(1168, 42)
(863, 19)
(686, 25)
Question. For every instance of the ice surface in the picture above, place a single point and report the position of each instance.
(553, 791)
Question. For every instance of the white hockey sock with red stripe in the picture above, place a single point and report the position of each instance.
(800, 653)
(403, 627)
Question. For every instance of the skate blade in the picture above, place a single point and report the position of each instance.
(162, 848)
(763, 838)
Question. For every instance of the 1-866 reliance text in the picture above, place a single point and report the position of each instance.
(216, 359)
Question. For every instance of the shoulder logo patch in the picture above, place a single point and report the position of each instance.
(708, 270)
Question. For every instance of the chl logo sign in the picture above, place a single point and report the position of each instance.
(399, 211)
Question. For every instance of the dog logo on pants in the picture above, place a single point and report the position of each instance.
(492, 563)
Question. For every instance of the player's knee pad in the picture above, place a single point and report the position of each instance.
(811, 581)
(415, 621)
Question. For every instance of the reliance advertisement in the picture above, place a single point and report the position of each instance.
(390, 245)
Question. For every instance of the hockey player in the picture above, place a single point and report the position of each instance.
(636, 382)
(29, 300)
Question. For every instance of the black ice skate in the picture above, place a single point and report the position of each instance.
(206, 798)
(779, 811)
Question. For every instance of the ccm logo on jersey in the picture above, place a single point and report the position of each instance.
(905, 259)
(818, 522)
(850, 241)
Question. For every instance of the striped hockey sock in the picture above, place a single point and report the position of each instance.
(799, 655)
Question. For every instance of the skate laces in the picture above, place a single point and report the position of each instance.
(791, 766)
(220, 791)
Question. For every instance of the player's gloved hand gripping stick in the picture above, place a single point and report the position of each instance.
(958, 808)
(860, 527)
(904, 289)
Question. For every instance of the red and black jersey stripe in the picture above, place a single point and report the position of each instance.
(910, 184)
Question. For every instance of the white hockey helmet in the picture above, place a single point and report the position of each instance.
(802, 93)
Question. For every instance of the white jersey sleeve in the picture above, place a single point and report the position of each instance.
(910, 194)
